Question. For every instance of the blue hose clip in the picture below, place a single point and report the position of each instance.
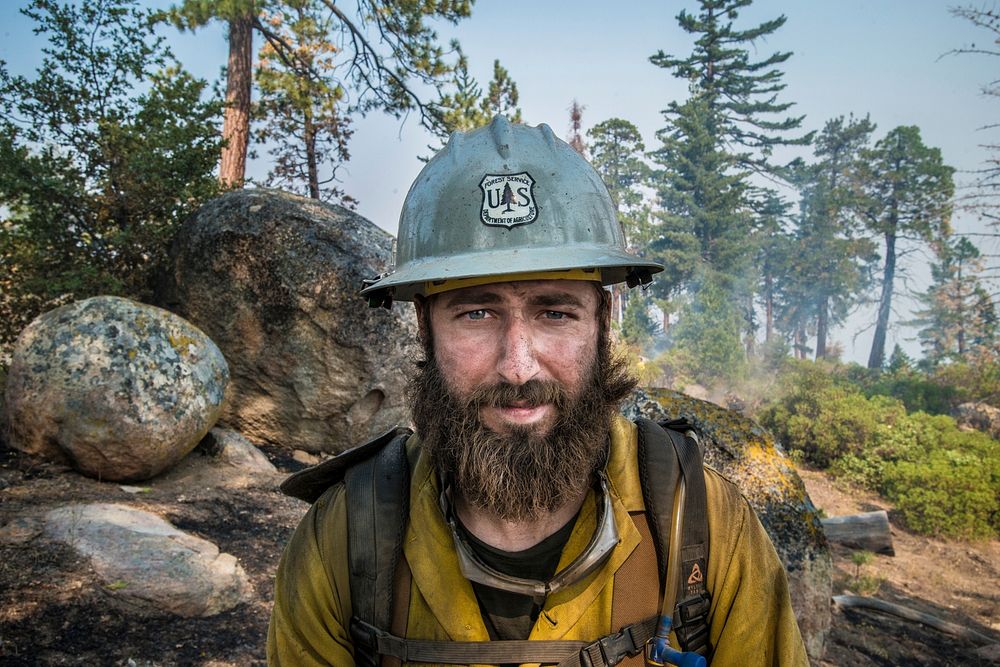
(659, 652)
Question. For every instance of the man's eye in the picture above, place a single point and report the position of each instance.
(554, 315)
(476, 314)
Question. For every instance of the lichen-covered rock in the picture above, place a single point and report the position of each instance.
(141, 557)
(746, 454)
(274, 278)
(118, 389)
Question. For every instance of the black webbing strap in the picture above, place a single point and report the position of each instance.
(378, 495)
(660, 466)
(605, 652)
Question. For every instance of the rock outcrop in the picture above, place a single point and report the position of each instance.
(145, 560)
(979, 416)
(118, 389)
(746, 454)
(273, 279)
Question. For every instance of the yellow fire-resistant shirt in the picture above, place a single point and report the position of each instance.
(750, 620)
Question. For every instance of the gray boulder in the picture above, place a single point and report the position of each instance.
(273, 279)
(979, 416)
(118, 389)
(746, 454)
(143, 559)
(223, 460)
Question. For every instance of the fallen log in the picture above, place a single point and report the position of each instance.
(905, 613)
(868, 530)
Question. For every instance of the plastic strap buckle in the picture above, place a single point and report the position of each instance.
(612, 649)
(691, 622)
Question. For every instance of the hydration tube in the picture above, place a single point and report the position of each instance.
(658, 649)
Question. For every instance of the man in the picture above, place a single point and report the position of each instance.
(526, 517)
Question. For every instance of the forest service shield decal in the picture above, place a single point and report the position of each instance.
(508, 199)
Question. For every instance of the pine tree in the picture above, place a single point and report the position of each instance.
(713, 142)
(958, 319)
(465, 107)
(507, 198)
(704, 222)
(389, 52)
(774, 255)
(740, 94)
(304, 124)
(908, 191)
(616, 153)
(832, 260)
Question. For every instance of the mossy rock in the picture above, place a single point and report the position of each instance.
(747, 454)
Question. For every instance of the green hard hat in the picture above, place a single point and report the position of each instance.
(506, 202)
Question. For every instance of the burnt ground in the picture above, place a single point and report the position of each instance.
(55, 611)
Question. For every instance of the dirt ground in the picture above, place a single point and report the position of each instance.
(954, 581)
(55, 611)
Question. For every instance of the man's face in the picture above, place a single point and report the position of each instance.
(513, 333)
(515, 397)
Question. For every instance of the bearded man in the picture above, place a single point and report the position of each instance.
(521, 534)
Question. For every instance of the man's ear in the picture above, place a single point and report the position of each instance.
(604, 298)
(422, 308)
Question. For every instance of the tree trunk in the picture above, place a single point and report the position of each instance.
(236, 121)
(822, 327)
(768, 308)
(877, 355)
(311, 166)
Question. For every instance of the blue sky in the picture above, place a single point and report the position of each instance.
(881, 57)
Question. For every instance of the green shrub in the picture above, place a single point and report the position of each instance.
(827, 421)
(945, 481)
(947, 493)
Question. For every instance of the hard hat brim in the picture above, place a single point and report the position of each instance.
(410, 280)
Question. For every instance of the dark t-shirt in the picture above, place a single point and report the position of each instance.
(512, 615)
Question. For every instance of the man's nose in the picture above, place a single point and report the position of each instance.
(517, 363)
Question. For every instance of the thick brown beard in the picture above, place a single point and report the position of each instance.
(518, 475)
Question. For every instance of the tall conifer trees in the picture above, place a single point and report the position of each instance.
(909, 191)
(712, 144)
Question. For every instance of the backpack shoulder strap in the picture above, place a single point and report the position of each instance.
(310, 483)
(668, 450)
(378, 495)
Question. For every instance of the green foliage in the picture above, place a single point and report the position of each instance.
(862, 583)
(710, 210)
(902, 381)
(387, 47)
(951, 492)
(102, 155)
(958, 319)
(708, 328)
(825, 271)
(944, 481)
(908, 193)
(974, 379)
(740, 93)
(303, 123)
(637, 326)
(465, 107)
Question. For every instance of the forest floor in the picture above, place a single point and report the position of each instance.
(55, 611)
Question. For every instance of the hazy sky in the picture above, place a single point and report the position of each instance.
(879, 57)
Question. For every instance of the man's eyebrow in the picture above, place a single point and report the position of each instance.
(556, 299)
(471, 297)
